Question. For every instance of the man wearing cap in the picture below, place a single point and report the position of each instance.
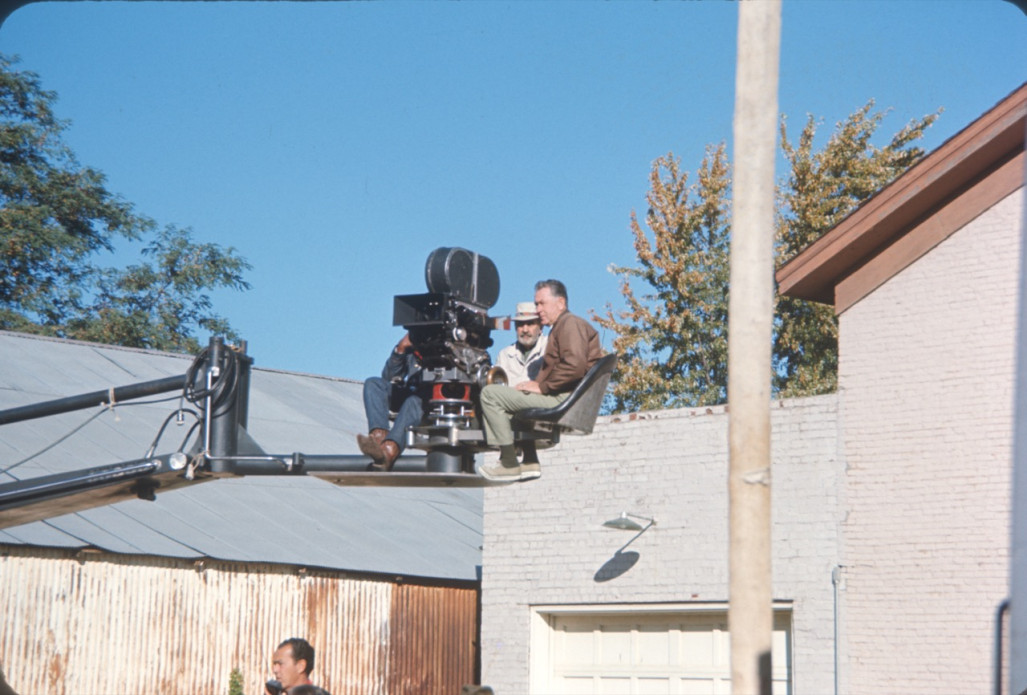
(573, 347)
(523, 360)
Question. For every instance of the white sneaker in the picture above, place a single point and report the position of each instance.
(530, 471)
(497, 472)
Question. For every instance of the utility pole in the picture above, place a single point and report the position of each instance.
(751, 308)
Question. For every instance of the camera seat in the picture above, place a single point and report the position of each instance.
(575, 415)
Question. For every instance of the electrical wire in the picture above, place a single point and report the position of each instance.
(126, 404)
(160, 432)
(222, 395)
(223, 392)
(53, 444)
(185, 439)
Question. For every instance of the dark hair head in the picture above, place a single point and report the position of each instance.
(308, 690)
(555, 286)
(301, 649)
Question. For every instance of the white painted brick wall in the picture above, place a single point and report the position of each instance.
(544, 543)
(903, 478)
(926, 387)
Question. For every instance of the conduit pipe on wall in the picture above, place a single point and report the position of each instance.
(836, 580)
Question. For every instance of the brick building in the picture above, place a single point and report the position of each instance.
(890, 498)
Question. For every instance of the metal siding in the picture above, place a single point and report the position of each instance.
(420, 532)
(103, 623)
(434, 639)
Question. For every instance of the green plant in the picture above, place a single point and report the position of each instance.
(235, 682)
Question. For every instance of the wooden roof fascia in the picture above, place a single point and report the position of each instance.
(933, 229)
(944, 174)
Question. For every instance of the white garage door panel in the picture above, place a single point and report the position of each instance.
(648, 653)
(578, 686)
(653, 686)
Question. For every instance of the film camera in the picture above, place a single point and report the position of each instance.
(450, 330)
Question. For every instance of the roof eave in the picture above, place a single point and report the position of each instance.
(880, 221)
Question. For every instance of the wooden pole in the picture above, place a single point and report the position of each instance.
(751, 308)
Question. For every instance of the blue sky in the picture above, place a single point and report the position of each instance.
(336, 144)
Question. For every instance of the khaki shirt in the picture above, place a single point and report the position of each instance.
(520, 366)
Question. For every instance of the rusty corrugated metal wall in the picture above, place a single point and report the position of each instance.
(419, 666)
(98, 623)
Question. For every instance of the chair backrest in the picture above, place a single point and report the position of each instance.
(578, 412)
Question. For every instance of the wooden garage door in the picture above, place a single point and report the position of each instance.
(684, 653)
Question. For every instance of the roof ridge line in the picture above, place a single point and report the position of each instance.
(163, 353)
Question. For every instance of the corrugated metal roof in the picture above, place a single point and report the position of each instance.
(426, 532)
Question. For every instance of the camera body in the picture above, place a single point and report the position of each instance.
(450, 330)
(449, 334)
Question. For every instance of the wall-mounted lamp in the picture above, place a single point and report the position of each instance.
(625, 522)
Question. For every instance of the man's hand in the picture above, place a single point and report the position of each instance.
(404, 345)
(528, 387)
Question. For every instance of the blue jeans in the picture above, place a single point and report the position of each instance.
(376, 405)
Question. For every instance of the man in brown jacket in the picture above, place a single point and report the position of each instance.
(573, 347)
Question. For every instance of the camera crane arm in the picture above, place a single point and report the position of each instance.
(448, 327)
(218, 385)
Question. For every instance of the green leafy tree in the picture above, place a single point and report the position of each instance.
(672, 335)
(822, 188)
(673, 339)
(57, 219)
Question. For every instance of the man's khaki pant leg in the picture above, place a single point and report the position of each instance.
(498, 403)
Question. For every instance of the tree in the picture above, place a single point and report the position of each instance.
(672, 337)
(673, 340)
(57, 217)
(822, 188)
(235, 682)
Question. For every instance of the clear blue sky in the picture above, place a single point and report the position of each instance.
(335, 144)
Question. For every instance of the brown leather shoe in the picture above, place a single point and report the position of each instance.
(371, 445)
(390, 452)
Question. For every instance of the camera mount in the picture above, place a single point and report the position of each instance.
(450, 329)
